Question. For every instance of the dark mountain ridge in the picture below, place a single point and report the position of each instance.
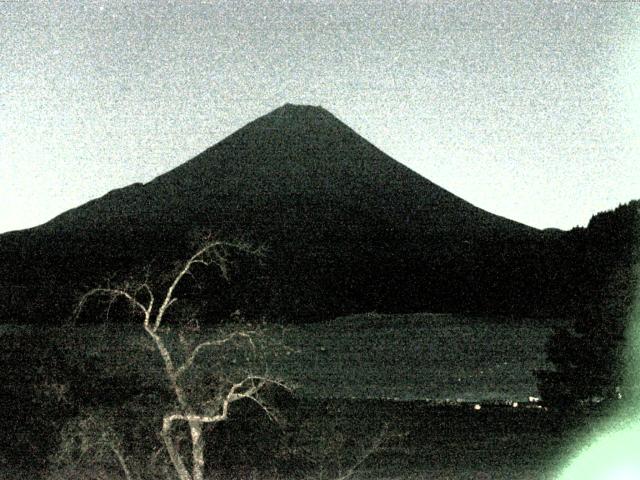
(347, 229)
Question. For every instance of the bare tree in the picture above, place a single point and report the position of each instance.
(194, 412)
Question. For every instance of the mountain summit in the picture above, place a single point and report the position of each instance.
(346, 227)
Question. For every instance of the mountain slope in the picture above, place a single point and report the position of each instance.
(347, 229)
(296, 155)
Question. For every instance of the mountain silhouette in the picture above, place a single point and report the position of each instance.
(346, 229)
(296, 160)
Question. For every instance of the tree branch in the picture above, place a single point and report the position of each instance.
(379, 440)
(114, 293)
(211, 343)
(199, 257)
(233, 395)
(121, 460)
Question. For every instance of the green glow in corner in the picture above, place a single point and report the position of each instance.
(614, 454)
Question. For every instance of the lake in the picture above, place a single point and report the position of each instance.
(434, 357)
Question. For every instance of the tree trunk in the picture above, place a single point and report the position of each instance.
(174, 455)
(197, 447)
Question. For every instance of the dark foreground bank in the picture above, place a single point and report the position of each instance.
(385, 439)
(370, 439)
(417, 440)
(46, 395)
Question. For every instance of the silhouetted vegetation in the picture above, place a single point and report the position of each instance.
(601, 271)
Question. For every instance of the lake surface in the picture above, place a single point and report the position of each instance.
(437, 357)
(417, 357)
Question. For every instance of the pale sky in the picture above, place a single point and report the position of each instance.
(530, 110)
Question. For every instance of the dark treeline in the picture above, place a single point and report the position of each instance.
(585, 273)
(600, 266)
